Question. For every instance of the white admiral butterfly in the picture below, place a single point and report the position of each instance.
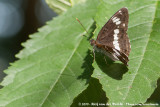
(112, 39)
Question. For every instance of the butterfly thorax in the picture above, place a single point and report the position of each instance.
(95, 43)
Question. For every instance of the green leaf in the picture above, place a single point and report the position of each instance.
(135, 84)
(55, 65)
(93, 94)
(60, 6)
(155, 98)
(77, 1)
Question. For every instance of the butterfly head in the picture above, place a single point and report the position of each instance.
(92, 42)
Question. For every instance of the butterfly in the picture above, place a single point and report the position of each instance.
(112, 39)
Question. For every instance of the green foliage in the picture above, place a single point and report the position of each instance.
(59, 6)
(77, 1)
(55, 67)
(137, 83)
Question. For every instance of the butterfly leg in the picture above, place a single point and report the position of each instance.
(105, 60)
(93, 55)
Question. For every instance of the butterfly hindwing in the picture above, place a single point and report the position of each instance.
(121, 56)
(117, 55)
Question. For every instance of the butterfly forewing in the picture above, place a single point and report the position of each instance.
(114, 35)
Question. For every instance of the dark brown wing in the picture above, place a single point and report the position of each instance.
(118, 55)
(114, 33)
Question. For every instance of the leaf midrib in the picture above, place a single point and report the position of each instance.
(63, 69)
(142, 55)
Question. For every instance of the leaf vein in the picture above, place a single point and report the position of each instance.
(136, 71)
(67, 62)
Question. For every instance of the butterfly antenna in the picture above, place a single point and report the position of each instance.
(82, 25)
